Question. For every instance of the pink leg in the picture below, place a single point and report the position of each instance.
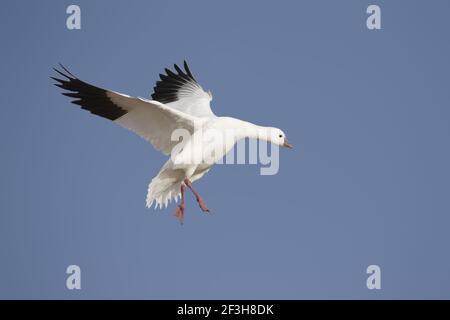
(200, 201)
(179, 211)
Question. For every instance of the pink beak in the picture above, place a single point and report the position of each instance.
(287, 145)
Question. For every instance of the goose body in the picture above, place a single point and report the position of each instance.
(177, 121)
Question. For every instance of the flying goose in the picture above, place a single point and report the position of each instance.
(178, 103)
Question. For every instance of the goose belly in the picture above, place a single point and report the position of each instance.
(199, 172)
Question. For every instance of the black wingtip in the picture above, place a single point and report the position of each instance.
(89, 97)
(59, 86)
(188, 72)
(60, 81)
(68, 72)
(61, 73)
(64, 73)
(177, 68)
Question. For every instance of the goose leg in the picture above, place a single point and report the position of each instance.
(199, 199)
(179, 211)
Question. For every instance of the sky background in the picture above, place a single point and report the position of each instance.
(367, 183)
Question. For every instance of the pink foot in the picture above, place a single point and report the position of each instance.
(179, 213)
(199, 199)
(202, 205)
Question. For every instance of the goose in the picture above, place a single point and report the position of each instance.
(178, 103)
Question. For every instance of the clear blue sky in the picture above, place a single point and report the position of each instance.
(368, 181)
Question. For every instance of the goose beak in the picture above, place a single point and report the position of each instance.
(287, 145)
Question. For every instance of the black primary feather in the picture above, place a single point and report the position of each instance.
(166, 89)
(89, 97)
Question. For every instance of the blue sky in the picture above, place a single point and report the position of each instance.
(368, 181)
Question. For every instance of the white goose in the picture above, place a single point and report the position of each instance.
(178, 102)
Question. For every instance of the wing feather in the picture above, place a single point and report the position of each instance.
(150, 119)
(181, 91)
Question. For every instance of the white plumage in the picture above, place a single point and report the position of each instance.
(178, 103)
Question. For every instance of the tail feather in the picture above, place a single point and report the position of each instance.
(162, 190)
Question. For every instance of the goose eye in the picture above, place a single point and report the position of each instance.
(281, 136)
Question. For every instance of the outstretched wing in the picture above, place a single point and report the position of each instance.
(151, 120)
(182, 92)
